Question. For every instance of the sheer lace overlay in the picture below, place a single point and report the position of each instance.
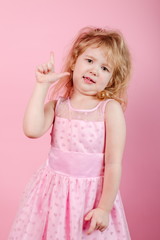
(65, 110)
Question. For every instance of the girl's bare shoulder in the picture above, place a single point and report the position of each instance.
(114, 112)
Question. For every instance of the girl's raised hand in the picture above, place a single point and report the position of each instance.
(45, 72)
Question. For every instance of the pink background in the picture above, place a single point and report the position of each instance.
(29, 31)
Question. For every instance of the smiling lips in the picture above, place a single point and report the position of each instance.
(88, 80)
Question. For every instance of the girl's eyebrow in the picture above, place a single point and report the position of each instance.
(96, 59)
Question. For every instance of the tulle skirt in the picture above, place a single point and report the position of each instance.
(54, 205)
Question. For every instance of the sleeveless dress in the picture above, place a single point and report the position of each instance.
(69, 184)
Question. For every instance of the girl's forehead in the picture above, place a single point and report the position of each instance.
(94, 49)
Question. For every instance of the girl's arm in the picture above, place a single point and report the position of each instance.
(115, 143)
(38, 118)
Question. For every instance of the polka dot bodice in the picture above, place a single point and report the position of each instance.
(79, 130)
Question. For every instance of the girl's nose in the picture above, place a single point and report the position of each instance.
(94, 71)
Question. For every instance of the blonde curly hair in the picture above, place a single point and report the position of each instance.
(117, 52)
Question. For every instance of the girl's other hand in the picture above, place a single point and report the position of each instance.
(99, 220)
(45, 72)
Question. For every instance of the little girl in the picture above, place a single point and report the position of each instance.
(75, 194)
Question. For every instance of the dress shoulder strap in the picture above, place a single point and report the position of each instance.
(57, 103)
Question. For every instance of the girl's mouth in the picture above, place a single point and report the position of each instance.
(88, 80)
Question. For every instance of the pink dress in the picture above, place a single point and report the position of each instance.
(69, 184)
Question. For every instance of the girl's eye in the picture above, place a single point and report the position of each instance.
(105, 69)
(89, 60)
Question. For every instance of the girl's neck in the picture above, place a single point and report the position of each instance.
(79, 100)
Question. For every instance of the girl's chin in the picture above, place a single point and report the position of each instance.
(88, 93)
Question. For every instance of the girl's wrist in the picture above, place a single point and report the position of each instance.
(42, 86)
(40, 91)
(104, 209)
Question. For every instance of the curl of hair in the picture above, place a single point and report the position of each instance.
(117, 54)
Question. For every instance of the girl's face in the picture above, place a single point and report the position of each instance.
(91, 72)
